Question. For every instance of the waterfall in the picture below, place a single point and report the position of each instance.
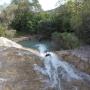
(42, 49)
(56, 69)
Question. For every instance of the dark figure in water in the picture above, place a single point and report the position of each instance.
(47, 54)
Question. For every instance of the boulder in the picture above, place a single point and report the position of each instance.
(4, 42)
(80, 58)
(17, 70)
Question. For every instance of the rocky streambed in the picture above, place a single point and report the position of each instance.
(22, 69)
(16, 70)
(80, 58)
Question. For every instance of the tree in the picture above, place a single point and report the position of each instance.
(84, 31)
(15, 2)
(28, 5)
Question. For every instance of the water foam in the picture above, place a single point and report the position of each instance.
(56, 68)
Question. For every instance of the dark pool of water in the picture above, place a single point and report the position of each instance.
(33, 44)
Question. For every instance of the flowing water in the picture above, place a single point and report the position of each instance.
(56, 69)
(33, 44)
(22, 70)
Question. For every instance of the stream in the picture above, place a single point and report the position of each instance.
(58, 71)
(33, 44)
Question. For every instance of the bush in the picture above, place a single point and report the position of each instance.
(46, 28)
(84, 31)
(10, 33)
(65, 40)
(2, 31)
(25, 23)
(6, 33)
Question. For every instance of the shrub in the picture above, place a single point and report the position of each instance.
(65, 40)
(46, 27)
(84, 31)
(10, 33)
(6, 33)
(25, 23)
(2, 31)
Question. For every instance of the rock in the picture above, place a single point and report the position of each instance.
(18, 39)
(17, 70)
(80, 59)
(4, 42)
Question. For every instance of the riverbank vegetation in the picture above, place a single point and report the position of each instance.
(68, 25)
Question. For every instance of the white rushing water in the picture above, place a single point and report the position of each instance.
(56, 69)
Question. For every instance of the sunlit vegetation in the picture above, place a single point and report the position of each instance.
(69, 24)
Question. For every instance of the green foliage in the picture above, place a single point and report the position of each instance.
(23, 23)
(83, 31)
(15, 1)
(27, 5)
(65, 40)
(2, 31)
(10, 33)
(76, 19)
(73, 17)
(6, 33)
(62, 22)
(46, 27)
(9, 12)
(34, 23)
